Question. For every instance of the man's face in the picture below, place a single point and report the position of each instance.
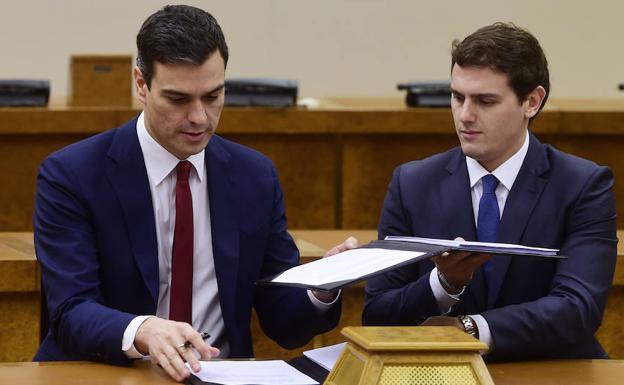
(489, 119)
(183, 106)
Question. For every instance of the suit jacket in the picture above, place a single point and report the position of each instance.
(535, 307)
(95, 238)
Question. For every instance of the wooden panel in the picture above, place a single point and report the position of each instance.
(101, 80)
(20, 270)
(73, 373)
(19, 333)
(569, 372)
(19, 297)
(335, 162)
(368, 162)
(21, 156)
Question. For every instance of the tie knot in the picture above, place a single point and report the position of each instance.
(489, 183)
(184, 170)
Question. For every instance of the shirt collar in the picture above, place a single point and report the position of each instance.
(506, 173)
(158, 161)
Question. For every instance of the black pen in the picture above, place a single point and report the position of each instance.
(204, 336)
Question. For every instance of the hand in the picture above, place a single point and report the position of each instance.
(458, 267)
(348, 244)
(443, 321)
(161, 339)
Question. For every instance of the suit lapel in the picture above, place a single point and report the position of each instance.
(128, 176)
(225, 232)
(522, 198)
(456, 199)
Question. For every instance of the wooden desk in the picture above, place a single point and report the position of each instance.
(19, 297)
(573, 372)
(334, 161)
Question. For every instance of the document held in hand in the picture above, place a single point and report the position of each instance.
(378, 257)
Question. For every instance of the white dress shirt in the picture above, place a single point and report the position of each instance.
(161, 172)
(506, 174)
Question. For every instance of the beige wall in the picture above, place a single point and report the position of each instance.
(334, 48)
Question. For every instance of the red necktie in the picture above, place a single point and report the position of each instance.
(181, 301)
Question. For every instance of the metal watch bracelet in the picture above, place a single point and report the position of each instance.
(450, 289)
(470, 326)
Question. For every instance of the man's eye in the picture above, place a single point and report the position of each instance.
(459, 98)
(176, 99)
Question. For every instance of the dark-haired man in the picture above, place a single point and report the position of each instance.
(158, 229)
(502, 185)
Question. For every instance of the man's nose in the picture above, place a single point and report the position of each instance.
(467, 113)
(197, 113)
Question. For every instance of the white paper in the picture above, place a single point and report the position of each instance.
(490, 245)
(345, 266)
(274, 372)
(326, 356)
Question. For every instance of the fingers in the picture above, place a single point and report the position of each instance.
(458, 267)
(170, 344)
(451, 258)
(348, 244)
(351, 243)
(196, 345)
(170, 360)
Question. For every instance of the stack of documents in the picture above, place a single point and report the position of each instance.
(378, 257)
(480, 247)
(326, 356)
(274, 372)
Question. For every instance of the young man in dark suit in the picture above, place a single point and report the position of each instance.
(502, 185)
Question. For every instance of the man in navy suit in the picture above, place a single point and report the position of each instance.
(118, 214)
(502, 185)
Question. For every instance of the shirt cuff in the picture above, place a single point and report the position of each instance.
(320, 305)
(127, 342)
(444, 299)
(485, 335)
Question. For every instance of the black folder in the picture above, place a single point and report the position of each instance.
(428, 250)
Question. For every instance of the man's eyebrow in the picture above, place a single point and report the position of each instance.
(482, 95)
(173, 92)
(216, 89)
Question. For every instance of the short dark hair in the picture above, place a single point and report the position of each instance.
(509, 49)
(178, 34)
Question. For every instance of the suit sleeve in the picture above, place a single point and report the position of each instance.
(286, 314)
(81, 326)
(572, 311)
(402, 296)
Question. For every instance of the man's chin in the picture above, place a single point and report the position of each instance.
(470, 150)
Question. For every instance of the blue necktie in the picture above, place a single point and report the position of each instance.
(489, 217)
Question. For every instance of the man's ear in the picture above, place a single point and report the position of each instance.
(534, 101)
(140, 84)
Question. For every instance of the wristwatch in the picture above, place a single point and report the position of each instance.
(451, 290)
(470, 326)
